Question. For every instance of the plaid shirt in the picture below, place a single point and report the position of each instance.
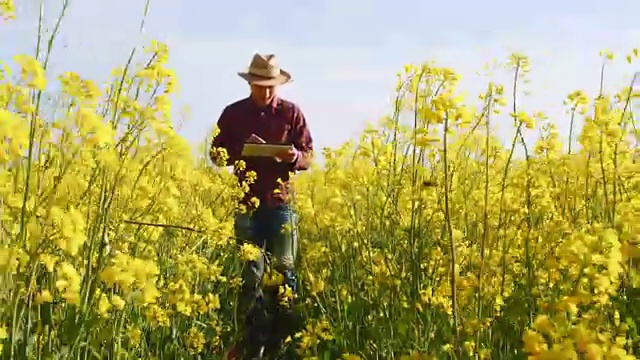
(279, 122)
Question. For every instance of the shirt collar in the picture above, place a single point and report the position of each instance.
(273, 105)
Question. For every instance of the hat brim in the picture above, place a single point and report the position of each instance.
(281, 79)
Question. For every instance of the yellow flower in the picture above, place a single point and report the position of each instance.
(69, 283)
(31, 72)
(285, 293)
(194, 340)
(134, 334)
(43, 297)
(543, 325)
(351, 357)
(103, 305)
(117, 302)
(7, 9)
(3, 335)
(534, 343)
(250, 252)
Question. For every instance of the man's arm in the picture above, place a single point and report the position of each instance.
(302, 141)
(226, 139)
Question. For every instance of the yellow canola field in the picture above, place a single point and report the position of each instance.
(425, 239)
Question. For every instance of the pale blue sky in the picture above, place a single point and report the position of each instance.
(343, 55)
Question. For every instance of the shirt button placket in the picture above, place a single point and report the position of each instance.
(261, 121)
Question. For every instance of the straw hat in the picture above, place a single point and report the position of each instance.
(264, 70)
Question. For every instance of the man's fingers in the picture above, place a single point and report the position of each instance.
(286, 153)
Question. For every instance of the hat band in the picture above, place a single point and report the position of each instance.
(266, 73)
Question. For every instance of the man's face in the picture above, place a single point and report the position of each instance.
(262, 95)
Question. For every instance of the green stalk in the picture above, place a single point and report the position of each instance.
(485, 213)
(505, 173)
(452, 244)
(414, 175)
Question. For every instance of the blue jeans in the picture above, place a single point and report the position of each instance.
(265, 228)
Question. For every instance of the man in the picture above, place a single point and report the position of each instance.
(263, 117)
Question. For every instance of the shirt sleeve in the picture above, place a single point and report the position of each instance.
(226, 139)
(302, 141)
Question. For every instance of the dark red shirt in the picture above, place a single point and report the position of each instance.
(279, 122)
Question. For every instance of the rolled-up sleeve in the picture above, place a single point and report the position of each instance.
(302, 141)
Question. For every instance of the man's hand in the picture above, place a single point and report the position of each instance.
(288, 156)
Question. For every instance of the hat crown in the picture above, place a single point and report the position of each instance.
(264, 70)
(264, 65)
